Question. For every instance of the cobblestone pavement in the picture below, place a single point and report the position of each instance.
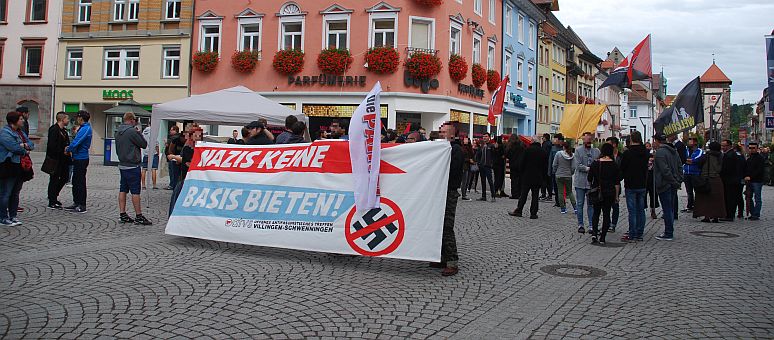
(85, 276)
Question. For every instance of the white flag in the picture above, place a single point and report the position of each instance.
(365, 130)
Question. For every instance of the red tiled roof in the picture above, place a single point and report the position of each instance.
(714, 75)
(669, 99)
(607, 64)
(656, 83)
(553, 4)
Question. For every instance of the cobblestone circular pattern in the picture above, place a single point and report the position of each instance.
(611, 245)
(718, 234)
(573, 271)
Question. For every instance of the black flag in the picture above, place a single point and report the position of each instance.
(684, 113)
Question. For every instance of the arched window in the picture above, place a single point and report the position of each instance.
(34, 115)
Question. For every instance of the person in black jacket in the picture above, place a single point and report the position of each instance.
(604, 174)
(514, 153)
(533, 170)
(58, 139)
(258, 136)
(498, 166)
(547, 188)
(485, 158)
(754, 178)
(449, 255)
(731, 177)
(634, 170)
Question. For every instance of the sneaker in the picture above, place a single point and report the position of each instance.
(54, 206)
(141, 220)
(601, 242)
(80, 210)
(124, 218)
(639, 239)
(563, 211)
(625, 238)
(611, 230)
(663, 237)
(575, 211)
(19, 209)
(168, 187)
(466, 199)
(581, 230)
(70, 207)
(15, 222)
(594, 240)
(6, 223)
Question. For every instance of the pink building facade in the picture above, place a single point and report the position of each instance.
(470, 28)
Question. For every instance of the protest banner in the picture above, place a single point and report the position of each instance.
(300, 196)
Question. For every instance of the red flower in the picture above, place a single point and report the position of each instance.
(205, 61)
(458, 67)
(334, 60)
(492, 80)
(423, 65)
(288, 62)
(479, 75)
(382, 60)
(245, 61)
(429, 2)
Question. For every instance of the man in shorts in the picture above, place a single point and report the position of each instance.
(129, 143)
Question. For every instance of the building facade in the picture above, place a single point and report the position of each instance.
(716, 89)
(520, 63)
(581, 70)
(559, 46)
(115, 50)
(471, 29)
(28, 54)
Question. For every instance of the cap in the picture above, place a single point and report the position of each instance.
(255, 125)
(659, 137)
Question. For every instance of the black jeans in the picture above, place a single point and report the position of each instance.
(603, 208)
(79, 181)
(486, 176)
(731, 197)
(56, 182)
(533, 205)
(689, 190)
(515, 185)
(499, 178)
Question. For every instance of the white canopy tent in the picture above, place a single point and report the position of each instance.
(235, 106)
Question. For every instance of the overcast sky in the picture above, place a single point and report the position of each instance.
(685, 33)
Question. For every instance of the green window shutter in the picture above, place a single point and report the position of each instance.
(71, 108)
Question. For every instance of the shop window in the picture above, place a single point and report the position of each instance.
(249, 34)
(383, 32)
(336, 34)
(74, 63)
(171, 62)
(36, 10)
(210, 37)
(84, 11)
(421, 34)
(34, 111)
(173, 9)
(123, 63)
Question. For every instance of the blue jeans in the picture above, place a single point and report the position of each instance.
(668, 207)
(755, 210)
(9, 197)
(635, 204)
(580, 198)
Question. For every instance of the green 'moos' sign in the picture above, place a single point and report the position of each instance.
(117, 94)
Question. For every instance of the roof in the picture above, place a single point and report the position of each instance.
(656, 82)
(669, 99)
(607, 64)
(714, 75)
(550, 4)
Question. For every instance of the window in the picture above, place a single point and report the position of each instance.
(210, 37)
(521, 28)
(37, 10)
(3, 10)
(529, 78)
(477, 7)
(119, 7)
(74, 63)
(421, 35)
(383, 32)
(336, 32)
(492, 10)
(173, 9)
(123, 63)
(455, 38)
(33, 58)
(532, 36)
(171, 62)
(249, 34)
(84, 11)
(476, 49)
(2, 50)
(508, 66)
(520, 74)
(509, 20)
(134, 10)
(292, 32)
(632, 112)
(490, 57)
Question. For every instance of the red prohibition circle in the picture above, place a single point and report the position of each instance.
(397, 216)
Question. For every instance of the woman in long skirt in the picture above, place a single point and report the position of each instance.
(710, 204)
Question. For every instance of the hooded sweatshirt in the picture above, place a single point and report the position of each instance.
(667, 170)
(129, 142)
(634, 166)
(562, 166)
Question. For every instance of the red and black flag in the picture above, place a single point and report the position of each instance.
(637, 66)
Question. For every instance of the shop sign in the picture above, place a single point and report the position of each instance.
(516, 100)
(327, 80)
(424, 84)
(470, 90)
(117, 94)
(770, 123)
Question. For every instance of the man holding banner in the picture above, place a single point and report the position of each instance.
(449, 242)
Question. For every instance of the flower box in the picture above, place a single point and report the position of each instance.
(205, 61)
(458, 67)
(334, 60)
(423, 65)
(382, 60)
(288, 62)
(245, 61)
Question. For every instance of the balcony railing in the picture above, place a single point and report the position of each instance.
(411, 50)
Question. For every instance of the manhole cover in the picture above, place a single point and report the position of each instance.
(720, 234)
(573, 271)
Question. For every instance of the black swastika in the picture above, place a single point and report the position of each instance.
(379, 234)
